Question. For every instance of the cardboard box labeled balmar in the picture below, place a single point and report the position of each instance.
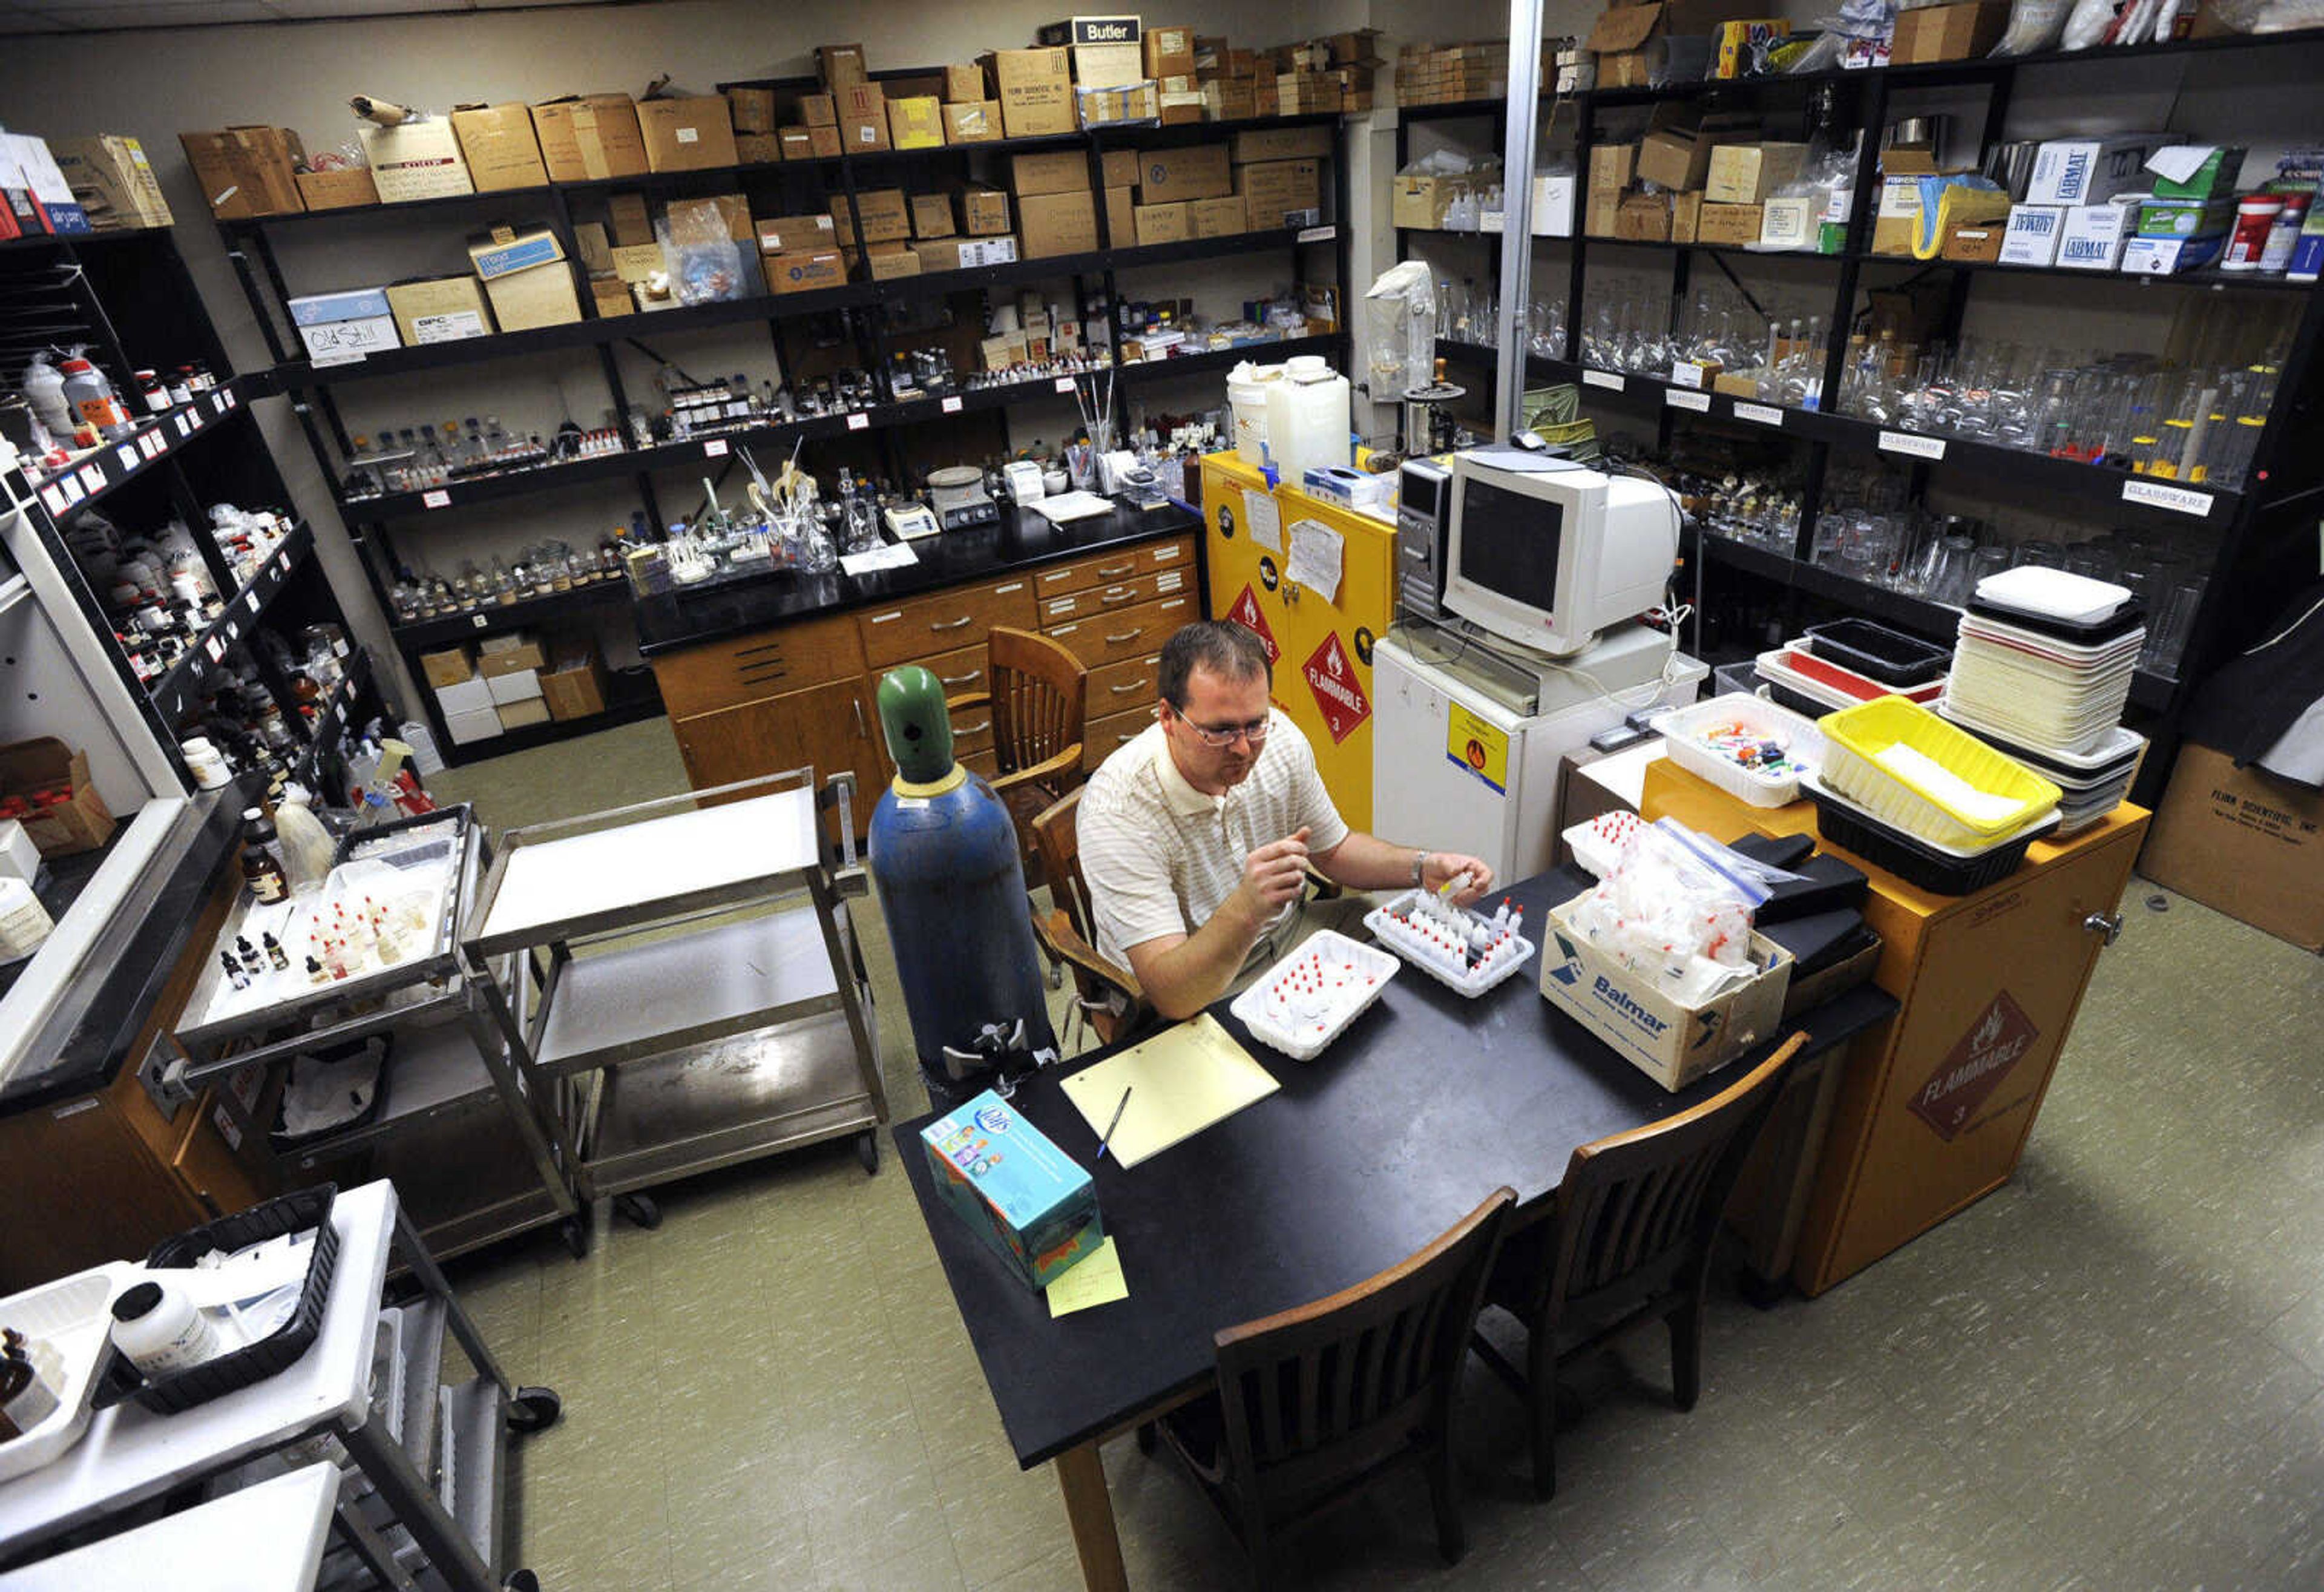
(2243, 842)
(1671, 1043)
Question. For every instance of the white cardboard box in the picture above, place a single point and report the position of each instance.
(2031, 239)
(476, 725)
(2085, 170)
(515, 686)
(469, 696)
(416, 161)
(2092, 237)
(1552, 206)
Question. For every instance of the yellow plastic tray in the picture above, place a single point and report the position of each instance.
(1855, 736)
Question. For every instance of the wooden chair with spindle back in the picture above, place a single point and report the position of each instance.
(1629, 1240)
(1036, 692)
(1314, 1404)
(1106, 992)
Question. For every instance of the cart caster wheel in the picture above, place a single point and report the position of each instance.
(867, 1151)
(640, 1208)
(534, 1408)
(523, 1580)
(574, 1230)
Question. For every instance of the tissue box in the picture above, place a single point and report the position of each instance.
(2092, 236)
(2032, 236)
(1031, 1204)
(2084, 171)
(1672, 1044)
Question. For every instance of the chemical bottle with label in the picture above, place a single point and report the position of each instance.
(90, 394)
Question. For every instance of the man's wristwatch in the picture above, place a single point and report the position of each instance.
(1420, 868)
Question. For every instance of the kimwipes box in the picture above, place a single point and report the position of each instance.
(44, 786)
(1671, 1043)
(589, 137)
(1030, 1203)
(2242, 842)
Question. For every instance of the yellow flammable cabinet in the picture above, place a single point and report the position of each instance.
(1319, 635)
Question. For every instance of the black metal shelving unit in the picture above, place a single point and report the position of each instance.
(129, 296)
(373, 520)
(2263, 529)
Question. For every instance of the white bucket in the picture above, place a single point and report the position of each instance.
(1247, 386)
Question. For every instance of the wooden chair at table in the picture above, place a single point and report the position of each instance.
(1629, 1240)
(1106, 993)
(1036, 690)
(1314, 1404)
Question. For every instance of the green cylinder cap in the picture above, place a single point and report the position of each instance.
(917, 725)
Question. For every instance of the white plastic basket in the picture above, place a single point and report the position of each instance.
(1387, 922)
(1801, 740)
(1355, 974)
(70, 1314)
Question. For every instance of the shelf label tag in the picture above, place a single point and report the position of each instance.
(195, 417)
(1913, 447)
(92, 477)
(229, 397)
(1604, 378)
(250, 601)
(477, 620)
(714, 448)
(1490, 221)
(1760, 414)
(2178, 500)
(858, 422)
(184, 430)
(1686, 373)
(70, 485)
(128, 454)
(54, 496)
(152, 444)
(216, 649)
(435, 497)
(1318, 234)
(949, 406)
(283, 563)
(328, 357)
(1698, 401)
(1064, 384)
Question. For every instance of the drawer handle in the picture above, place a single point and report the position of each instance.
(960, 623)
(1123, 691)
(1110, 572)
(1127, 636)
(761, 647)
(971, 678)
(861, 733)
(974, 729)
(1128, 594)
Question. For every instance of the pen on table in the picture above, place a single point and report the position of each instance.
(1106, 1137)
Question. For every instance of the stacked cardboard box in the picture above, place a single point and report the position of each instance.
(1445, 74)
(1278, 176)
(1056, 212)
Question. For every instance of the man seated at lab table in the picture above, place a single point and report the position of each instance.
(1193, 837)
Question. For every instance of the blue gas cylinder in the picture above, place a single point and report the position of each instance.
(944, 861)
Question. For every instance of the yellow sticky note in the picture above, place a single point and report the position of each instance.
(1095, 1278)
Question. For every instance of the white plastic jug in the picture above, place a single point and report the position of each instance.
(1308, 419)
(1247, 386)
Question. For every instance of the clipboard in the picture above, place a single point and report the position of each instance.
(1183, 1079)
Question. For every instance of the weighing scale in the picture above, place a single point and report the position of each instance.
(912, 521)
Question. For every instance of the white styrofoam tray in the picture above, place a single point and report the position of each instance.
(1802, 741)
(1284, 1011)
(2122, 746)
(2052, 594)
(1996, 633)
(1386, 921)
(71, 1315)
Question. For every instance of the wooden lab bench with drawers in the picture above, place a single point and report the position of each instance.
(776, 674)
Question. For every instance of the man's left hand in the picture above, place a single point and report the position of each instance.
(1442, 867)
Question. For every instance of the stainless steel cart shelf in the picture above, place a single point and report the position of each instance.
(714, 1039)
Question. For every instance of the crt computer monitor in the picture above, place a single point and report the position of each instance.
(1545, 553)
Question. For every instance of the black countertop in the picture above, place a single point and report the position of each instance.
(685, 619)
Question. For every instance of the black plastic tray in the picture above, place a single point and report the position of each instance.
(2119, 624)
(1879, 653)
(1937, 872)
(285, 1143)
(1799, 702)
(291, 1213)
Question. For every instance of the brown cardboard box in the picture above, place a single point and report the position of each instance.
(1057, 223)
(1230, 100)
(341, 190)
(1686, 217)
(1613, 167)
(640, 262)
(1980, 243)
(1053, 171)
(973, 121)
(1161, 224)
(513, 654)
(440, 310)
(523, 713)
(1678, 158)
(1169, 52)
(806, 271)
(416, 161)
(448, 667)
(886, 217)
(1188, 172)
(823, 141)
(1215, 217)
(1120, 217)
(1266, 100)
(574, 683)
(1947, 32)
(1272, 190)
(961, 253)
(688, 134)
(1282, 143)
(1645, 217)
(983, 211)
(758, 149)
(541, 296)
(1898, 217)
(864, 118)
(963, 84)
(917, 122)
(734, 209)
(839, 65)
(589, 137)
(1110, 107)
(786, 234)
(932, 215)
(497, 141)
(1603, 211)
(45, 766)
(627, 215)
(753, 109)
(819, 110)
(797, 143)
(1035, 87)
(612, 296)
(1747, 173)
(247, 171)
(1628, 40)
(1118, 168)
(1729, 224)
(114, 181)
(2242, 842)
(891, 260)
(1418, 202)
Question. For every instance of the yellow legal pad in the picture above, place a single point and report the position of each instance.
(1181, 1081)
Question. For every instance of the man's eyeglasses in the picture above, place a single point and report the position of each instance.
(1224, 735)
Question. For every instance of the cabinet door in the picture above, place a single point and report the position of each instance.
(828, 727)
(1323, 679)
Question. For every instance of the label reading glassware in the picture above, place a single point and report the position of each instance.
(1599, 378)
(1905, 442)
(2178, 499)
(1760, 414)
(1677, 399)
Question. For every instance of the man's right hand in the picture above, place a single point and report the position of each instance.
(1273, 874)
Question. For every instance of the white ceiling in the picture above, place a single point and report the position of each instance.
(103, 16)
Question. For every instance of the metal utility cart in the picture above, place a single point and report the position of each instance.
(451, 1107)
(436, 1459)
(741, 1035)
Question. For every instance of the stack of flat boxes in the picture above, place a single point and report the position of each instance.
(488, 691)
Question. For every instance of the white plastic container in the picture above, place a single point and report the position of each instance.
(161, 1330)
(1246, 388)
(1308, 419)
(44, 389)
(24, 923)
(1344, 976)
(1800, 739)
(69, 1315)
(2053, 594)
(1387, 922)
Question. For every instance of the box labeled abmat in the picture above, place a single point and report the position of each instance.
(1032, 1204)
